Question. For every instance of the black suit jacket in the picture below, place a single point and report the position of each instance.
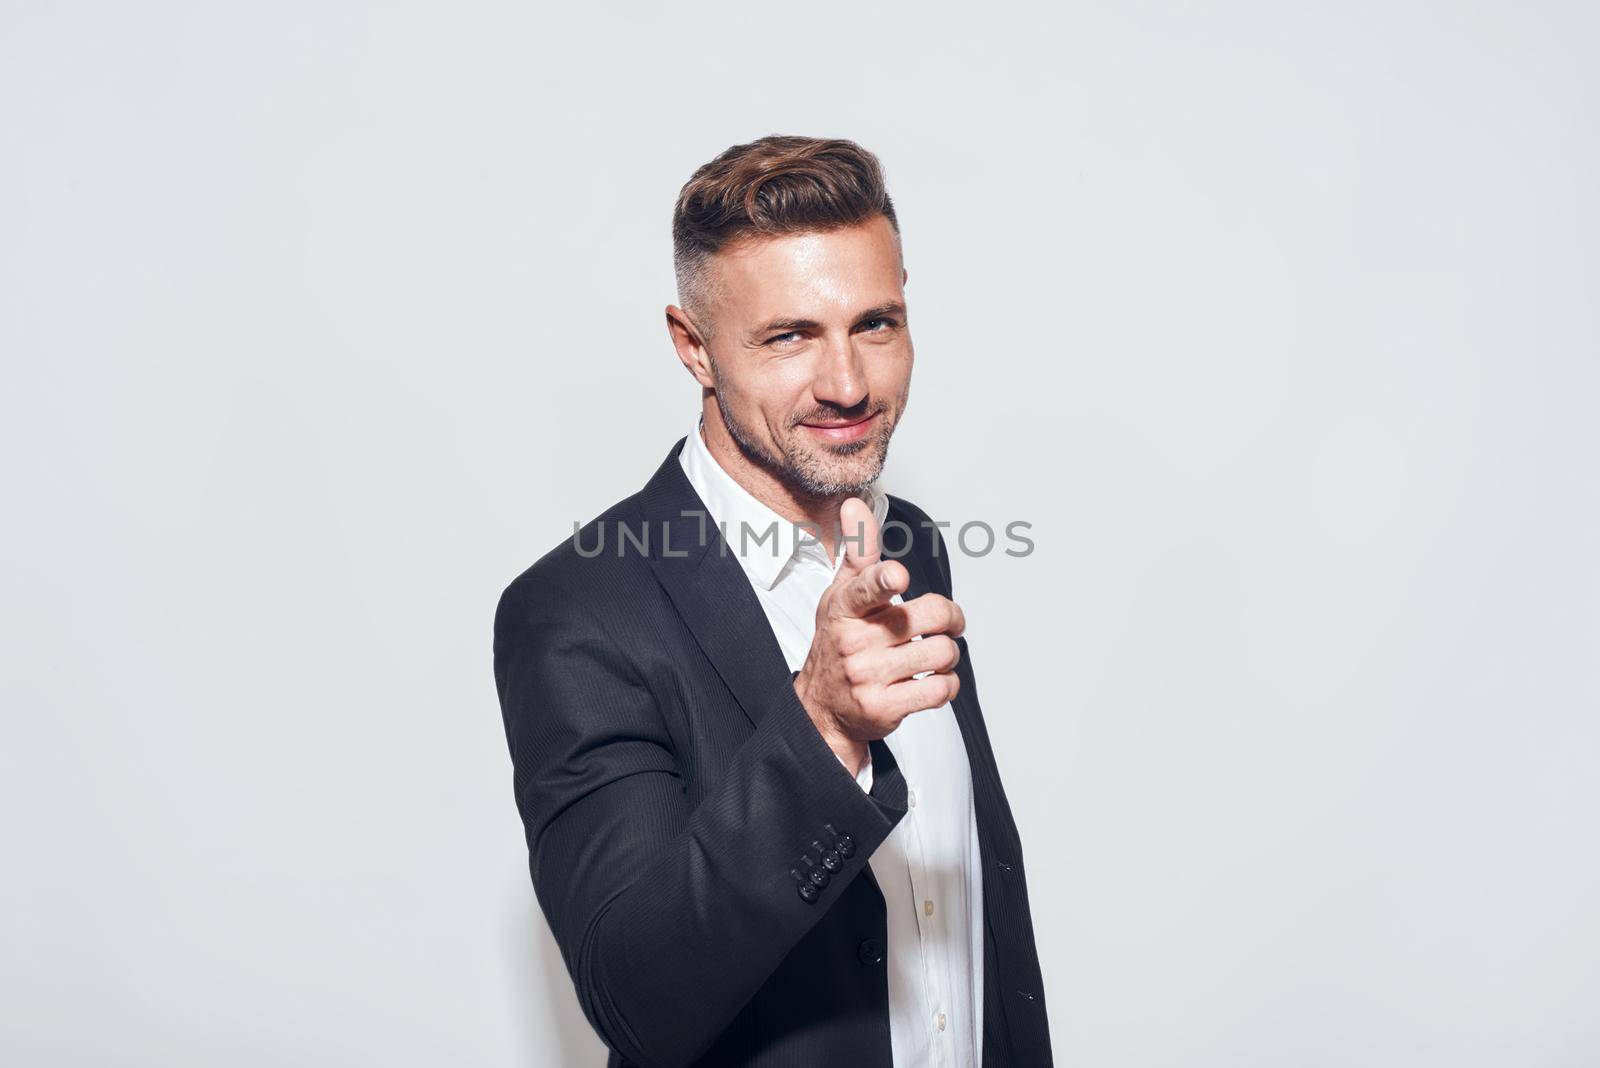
(682, 812)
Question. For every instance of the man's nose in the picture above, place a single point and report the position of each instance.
(841, 379)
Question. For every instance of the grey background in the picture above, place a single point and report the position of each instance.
(322, 321)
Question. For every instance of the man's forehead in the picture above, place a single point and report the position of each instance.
(873, 239)
(836, 270)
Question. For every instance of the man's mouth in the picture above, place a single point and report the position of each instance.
(837, 431)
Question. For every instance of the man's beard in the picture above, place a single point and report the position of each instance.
(809, 472)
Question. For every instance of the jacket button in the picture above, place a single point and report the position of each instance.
(870, 951)
(845, 845)
(818, 877)
(830, 859)
(809, 893)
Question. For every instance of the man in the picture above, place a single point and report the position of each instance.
(763, 817)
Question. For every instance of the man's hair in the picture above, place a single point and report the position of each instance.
(775, 185)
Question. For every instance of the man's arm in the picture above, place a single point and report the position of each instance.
(669, 915)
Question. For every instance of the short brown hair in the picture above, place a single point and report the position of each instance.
(774, 185)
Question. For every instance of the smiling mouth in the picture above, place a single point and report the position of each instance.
(842, 431)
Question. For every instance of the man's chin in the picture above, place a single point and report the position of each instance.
(832, 475)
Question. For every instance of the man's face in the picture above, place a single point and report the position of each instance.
(810, 354)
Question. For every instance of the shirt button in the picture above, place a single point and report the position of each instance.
(911, 798)
(927, 907)
(940, 1021)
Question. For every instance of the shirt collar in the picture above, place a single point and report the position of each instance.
(765, 543)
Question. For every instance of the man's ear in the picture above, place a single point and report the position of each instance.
(687, 339)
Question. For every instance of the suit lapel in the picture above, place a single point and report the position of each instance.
(709, 589)
(972, 735)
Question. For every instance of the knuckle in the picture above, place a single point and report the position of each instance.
(951, 653)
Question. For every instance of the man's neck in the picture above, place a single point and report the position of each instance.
(820, 515)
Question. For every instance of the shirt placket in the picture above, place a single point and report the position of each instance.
(935, 966)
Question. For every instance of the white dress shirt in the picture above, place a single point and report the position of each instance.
(928, 867)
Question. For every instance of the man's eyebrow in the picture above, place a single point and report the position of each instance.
(894, 307)
(783, 326)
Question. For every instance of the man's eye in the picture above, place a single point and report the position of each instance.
(793, 335)
(878, 326)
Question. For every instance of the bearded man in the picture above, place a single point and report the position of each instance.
(763, 816)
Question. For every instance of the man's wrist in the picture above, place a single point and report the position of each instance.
(851, 753)
(853, 760)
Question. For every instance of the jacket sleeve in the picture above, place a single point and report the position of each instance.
(669, 915)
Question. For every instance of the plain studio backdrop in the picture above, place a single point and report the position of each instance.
(323, 321)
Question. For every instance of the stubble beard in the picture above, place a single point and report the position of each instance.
(808, 471)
